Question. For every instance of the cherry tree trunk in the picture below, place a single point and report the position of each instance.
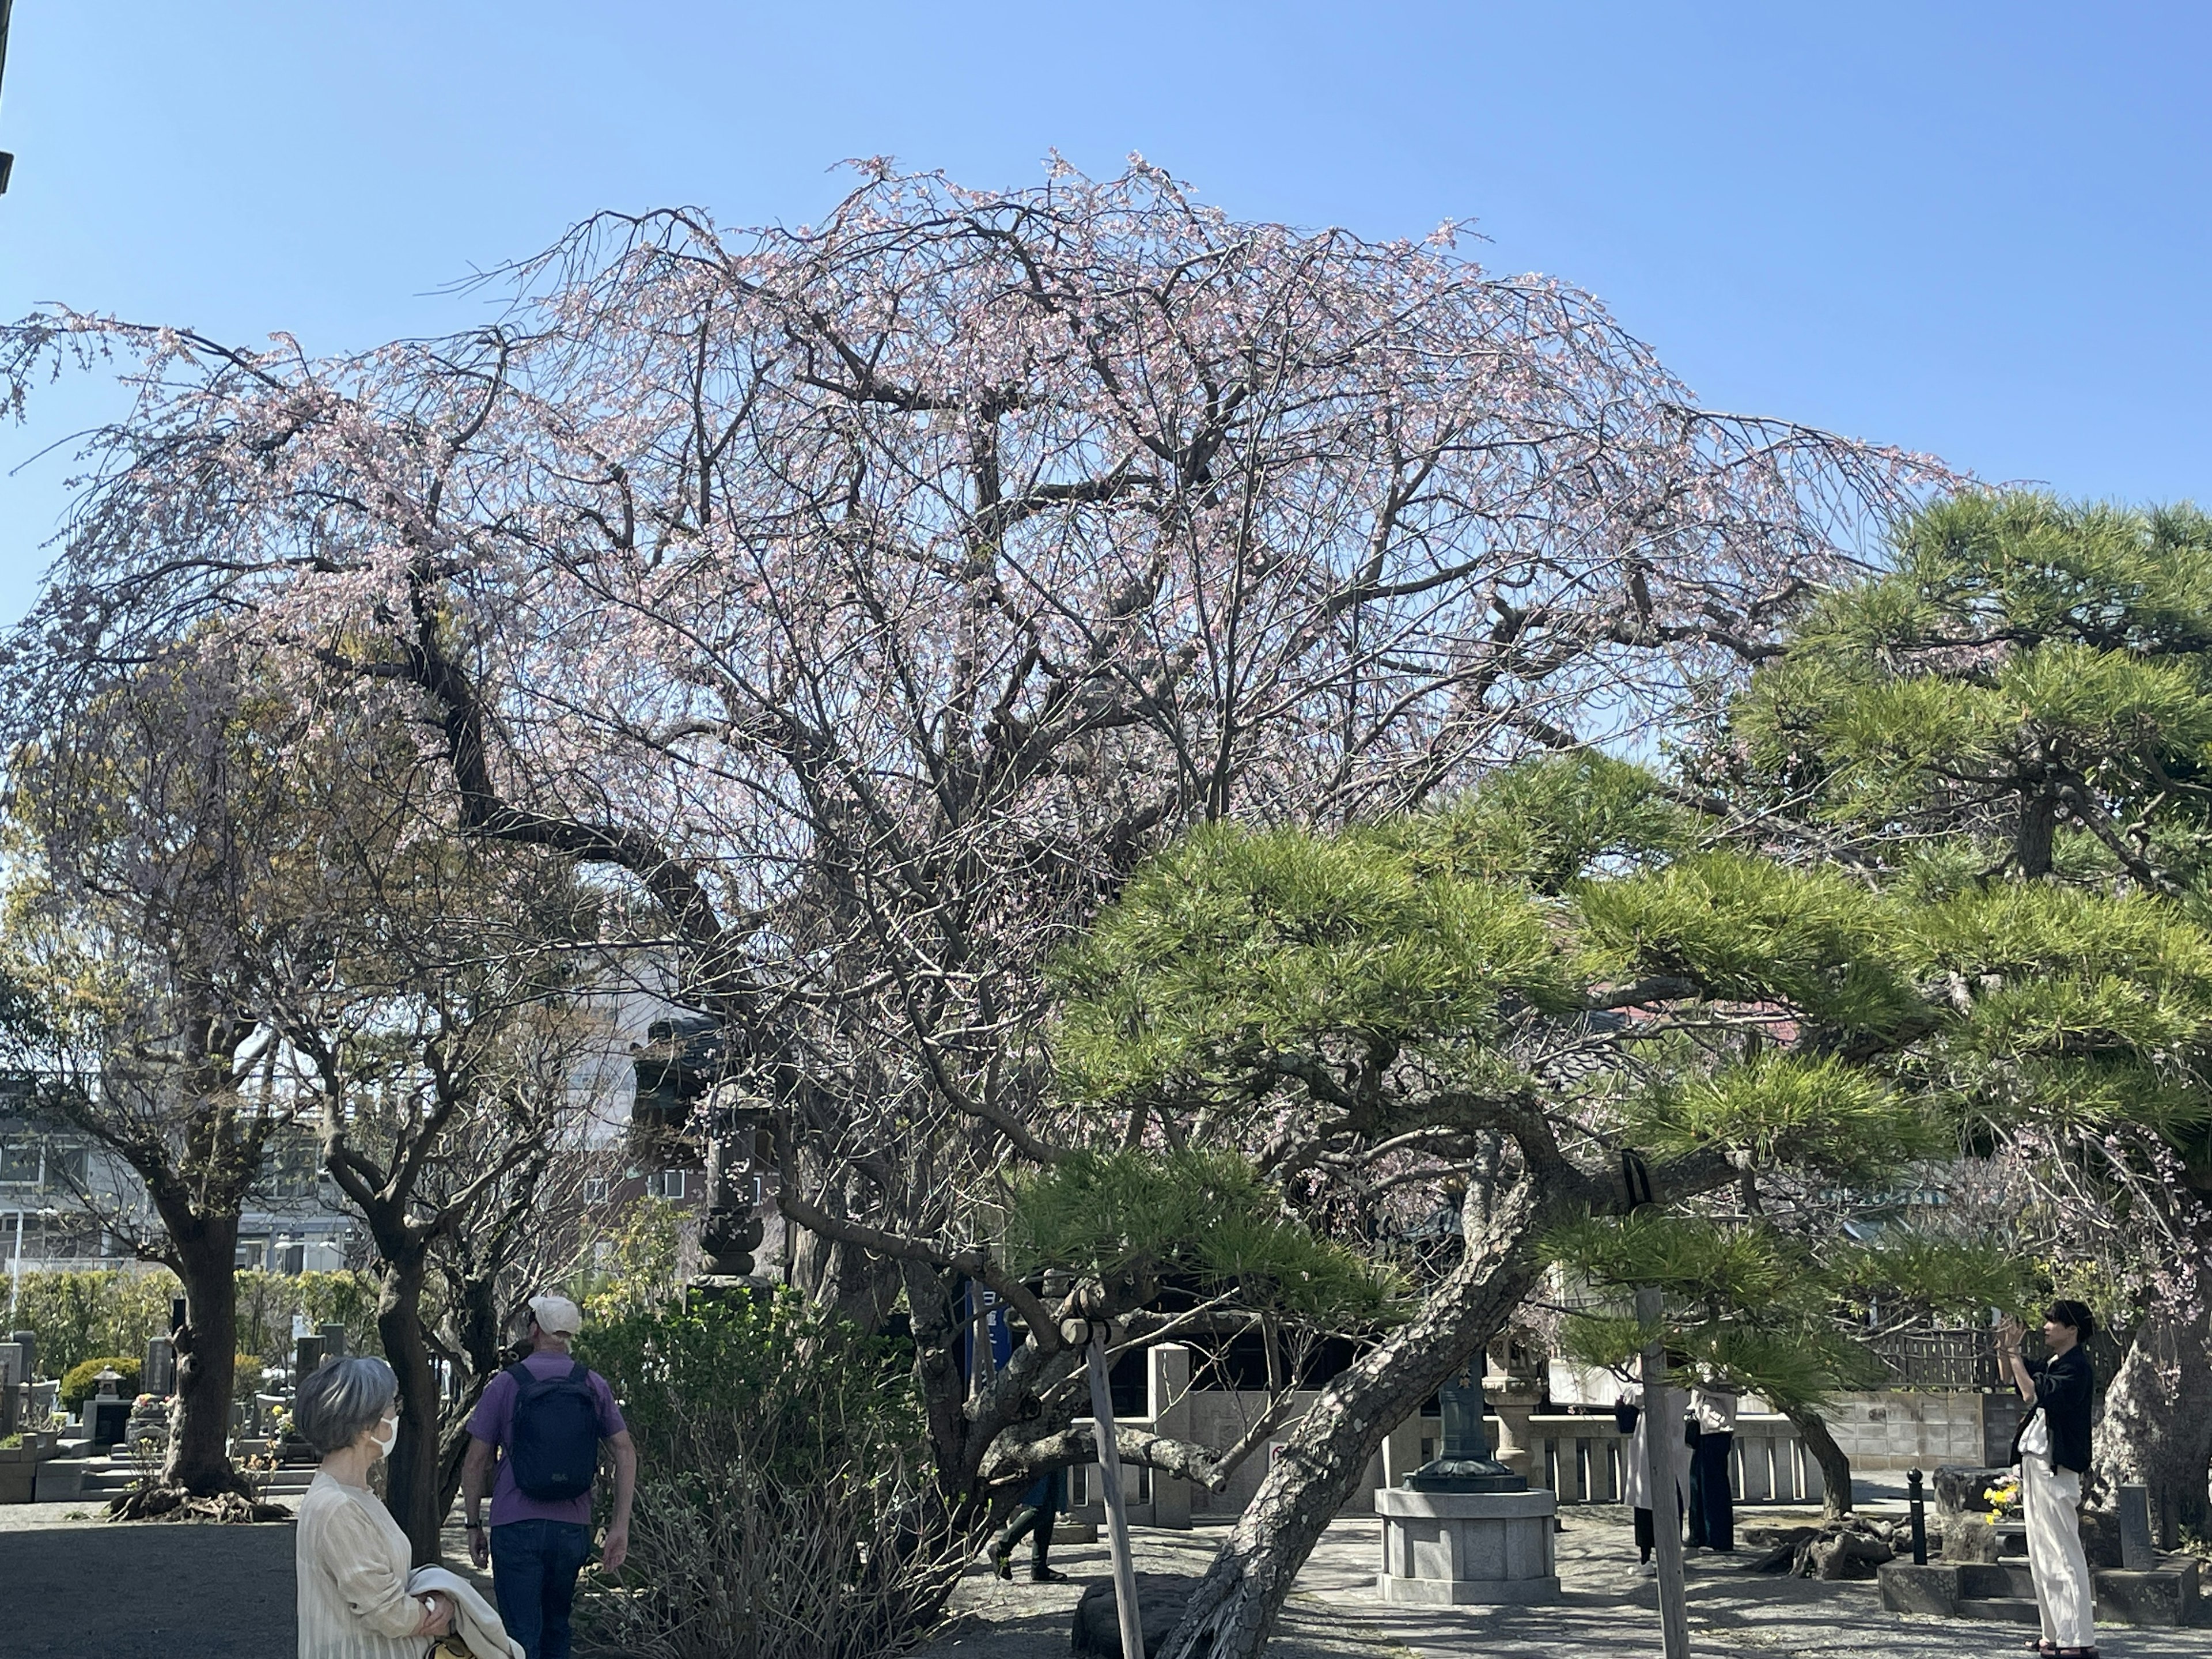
(206, 1258)
(412, 1484)
(2158, 1418)
(1233, 1607)
(1835, 1463)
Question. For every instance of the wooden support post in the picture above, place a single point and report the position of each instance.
(1662, 1440)
(1117, 1519)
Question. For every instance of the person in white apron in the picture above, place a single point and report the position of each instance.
(1667, 1409)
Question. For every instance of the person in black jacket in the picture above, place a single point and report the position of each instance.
(2051, 1446)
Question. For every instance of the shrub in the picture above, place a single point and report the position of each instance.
(78, 1314)
(81, 1381)
(779, 1515)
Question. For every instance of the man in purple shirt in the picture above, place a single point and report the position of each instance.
(536, 1546)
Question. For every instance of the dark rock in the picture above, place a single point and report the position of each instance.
(1968, 1539)
(1958, 1489)
(1161, 1599)
(1782, 1545)
(2100, 1538)
(1846, 1555)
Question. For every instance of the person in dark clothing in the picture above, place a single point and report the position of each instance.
(1040, 1508)
(1712, 1434)
(2052, 1449)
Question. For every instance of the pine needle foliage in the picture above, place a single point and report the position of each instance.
(1818, 1111)
(1203, 1216)
(1238, 943)
(1777, 1314)
(1547, 821)
(1750, 929)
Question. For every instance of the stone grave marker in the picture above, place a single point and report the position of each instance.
(159, 1375)
(12, 1378)
(2136, 1554)
(107, 1415)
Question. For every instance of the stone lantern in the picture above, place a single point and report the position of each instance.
(1465, 1529)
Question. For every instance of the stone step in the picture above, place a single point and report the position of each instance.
(1996, 1581)
(2002, 1609)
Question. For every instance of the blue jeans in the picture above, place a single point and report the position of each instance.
(534, 1565)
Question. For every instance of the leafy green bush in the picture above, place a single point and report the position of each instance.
(79, 1314)
(781, 1466)
(81, 1381)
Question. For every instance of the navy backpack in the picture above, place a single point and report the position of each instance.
(554, 1440)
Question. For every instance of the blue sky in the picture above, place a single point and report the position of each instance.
(1977, 230)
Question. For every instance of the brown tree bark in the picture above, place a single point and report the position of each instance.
(1835, 1463)
(2157, 1428)
(205, 1253)
(411, 1481)
(1235, 1605)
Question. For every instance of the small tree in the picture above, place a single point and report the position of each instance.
(155, 914)
(2012, 726)
(1545, 1004)
(1771, 1305)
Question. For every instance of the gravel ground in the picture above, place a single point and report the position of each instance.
(1606, 1611)
(74, 1587)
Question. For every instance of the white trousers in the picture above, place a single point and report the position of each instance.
(2052, 1501)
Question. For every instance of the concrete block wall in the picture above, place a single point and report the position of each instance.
(1891, 1430)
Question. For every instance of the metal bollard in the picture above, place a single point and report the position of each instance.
(1918, 1500)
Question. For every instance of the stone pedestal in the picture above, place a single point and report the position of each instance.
(1449, 1548)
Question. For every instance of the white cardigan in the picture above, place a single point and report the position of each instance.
(353, 1565)
(1673, 1442)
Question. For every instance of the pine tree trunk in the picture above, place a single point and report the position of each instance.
(1235, 1606)
(207, 1358)
(411, 1481)
(2158, 1419)
(1835, 1464)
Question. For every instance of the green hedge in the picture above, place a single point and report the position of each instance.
(80, 1316)
(82, 1380)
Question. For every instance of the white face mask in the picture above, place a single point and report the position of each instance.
(384, 1441)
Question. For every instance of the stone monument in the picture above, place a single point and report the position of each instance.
(1465, 1529)
(159, 1375)
(107, 1415)
(14, 1372)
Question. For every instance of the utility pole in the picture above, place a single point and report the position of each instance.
(1117, 1520)
(1662, 1438)
(7, 161)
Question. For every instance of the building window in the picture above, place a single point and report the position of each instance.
(668, 1183)
(595, 1190)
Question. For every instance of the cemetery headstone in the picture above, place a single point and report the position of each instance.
(159, 1376)
(334, 1340)
(29, 1342)
(2136, 1554)
(106, 1416)
(11, 1386)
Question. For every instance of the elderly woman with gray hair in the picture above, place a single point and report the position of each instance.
(353, 1557)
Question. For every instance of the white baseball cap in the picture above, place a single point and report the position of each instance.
(556, 1315)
